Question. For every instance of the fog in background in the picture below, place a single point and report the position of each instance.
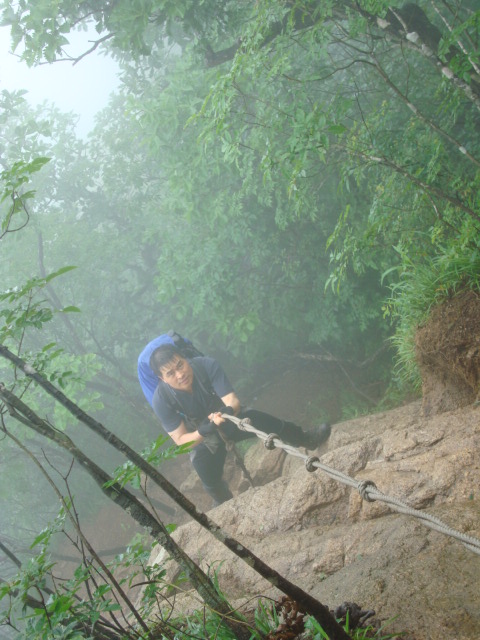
(285, 210)
(82, 88)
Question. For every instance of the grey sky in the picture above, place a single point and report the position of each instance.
(83, 88)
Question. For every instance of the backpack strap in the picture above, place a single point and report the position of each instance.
(203, 379)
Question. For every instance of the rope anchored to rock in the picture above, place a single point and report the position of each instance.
(366, 488)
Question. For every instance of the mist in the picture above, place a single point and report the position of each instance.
(274, 196)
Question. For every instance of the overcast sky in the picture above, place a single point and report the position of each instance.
(83, 88)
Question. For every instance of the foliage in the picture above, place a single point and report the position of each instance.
(24, 310)
(154, 455)
(53, 608)
(295, 156)
(359, 633)
(251, 203)
(420, 288)
(14, 180)
(266, 617)
(271, 177)
(43, 29)
(203, 624)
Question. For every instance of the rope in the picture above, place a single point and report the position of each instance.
(366, 488)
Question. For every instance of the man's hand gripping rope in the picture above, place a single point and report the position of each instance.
(215, 422)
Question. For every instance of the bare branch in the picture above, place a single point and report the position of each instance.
(76, 59)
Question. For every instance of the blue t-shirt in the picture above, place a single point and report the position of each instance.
(197, 405)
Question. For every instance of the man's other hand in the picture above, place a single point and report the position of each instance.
(206, 427)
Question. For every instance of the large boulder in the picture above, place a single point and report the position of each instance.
(322, 536)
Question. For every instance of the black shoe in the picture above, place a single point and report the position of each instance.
(316, 436)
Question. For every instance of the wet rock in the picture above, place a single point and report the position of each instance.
(322, 536)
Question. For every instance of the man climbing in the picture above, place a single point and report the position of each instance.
(189, 401)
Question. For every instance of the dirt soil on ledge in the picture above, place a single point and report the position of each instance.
(448, 354)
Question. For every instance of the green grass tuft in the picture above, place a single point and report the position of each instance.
(420, 288)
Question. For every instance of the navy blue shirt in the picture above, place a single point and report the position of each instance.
(197, 405)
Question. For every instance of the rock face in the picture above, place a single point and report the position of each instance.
(448, 354)
(322, 536)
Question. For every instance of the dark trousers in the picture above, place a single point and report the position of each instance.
(209, 466)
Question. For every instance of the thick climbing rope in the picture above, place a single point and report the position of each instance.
(366, 488)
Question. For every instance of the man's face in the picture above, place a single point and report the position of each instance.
(178, 374)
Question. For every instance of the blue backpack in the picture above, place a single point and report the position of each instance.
(148, 380)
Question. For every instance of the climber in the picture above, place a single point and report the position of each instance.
(189, 401)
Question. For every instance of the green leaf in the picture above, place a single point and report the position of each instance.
(44, 535)
(71, 309)
(60, 272)
(337, 128)
(38, 163)
(49, 346)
